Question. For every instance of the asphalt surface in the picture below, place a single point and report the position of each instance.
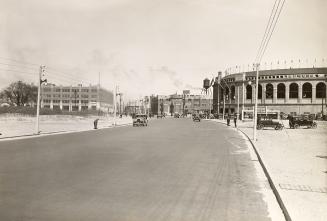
(174, 169)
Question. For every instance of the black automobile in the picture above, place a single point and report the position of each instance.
(196, 117)
(140, 120)
(298, 121)
(262, 123)
(177, 115)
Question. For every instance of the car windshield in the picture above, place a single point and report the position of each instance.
(141, 115)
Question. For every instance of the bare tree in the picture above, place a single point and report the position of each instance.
(19, 93)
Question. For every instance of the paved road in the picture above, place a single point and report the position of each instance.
(174, 169)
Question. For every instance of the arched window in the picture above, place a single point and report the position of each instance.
(294, 90)
(260, 92)
(307, 90)
(321, 90)
(269, 91)
(232, 88)
(227, 93)
(248, 92)
(281, 90)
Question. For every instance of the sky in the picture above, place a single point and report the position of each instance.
(151, 46)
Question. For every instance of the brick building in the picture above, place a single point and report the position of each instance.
(180, 103)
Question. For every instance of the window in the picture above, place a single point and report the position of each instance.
(65, 95)
(94, 96)
(56, 101)
(65, 101)
(321, 90)
(58, 90)
(94, 90)
(248, 92)
(65, 90)
(281, 90)
(294, 90)
(85, 96)
(269, 91)
(307, 90)
(260, 92)
(56, 95)
(85, 90)
(46, 89)
(232, 92)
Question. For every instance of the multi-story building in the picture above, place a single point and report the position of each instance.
(76, 98)
(180, 103)
(292, 91)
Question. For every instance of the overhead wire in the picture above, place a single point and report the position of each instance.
(21, 62)
(276, 20)
(265, 33)
(269, 29)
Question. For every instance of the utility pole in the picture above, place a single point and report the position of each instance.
(40, 81)
(115, 104)
(256, 103)
(238, 102)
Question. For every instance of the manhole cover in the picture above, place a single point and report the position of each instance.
(303, 188)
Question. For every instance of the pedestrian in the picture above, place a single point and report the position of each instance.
(228, 120)
(96, 123)
(235, 120)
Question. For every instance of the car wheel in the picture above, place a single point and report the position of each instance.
(260, 126)
(296, 126)
(314, 125)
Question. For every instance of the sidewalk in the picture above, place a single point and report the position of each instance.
(296, 160)
(14, 125)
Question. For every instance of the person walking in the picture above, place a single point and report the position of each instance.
(235, 120)
(228, 120)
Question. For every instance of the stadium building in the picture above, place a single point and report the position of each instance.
(290, 91)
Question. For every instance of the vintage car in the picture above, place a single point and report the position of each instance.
(177, 115)
(140, 120)
(196, 117)
(262, 123)
(298, 121)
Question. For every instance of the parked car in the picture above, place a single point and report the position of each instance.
(176, 115)
(262, 123)
(196, 117)
(298, 121)
(140, 120)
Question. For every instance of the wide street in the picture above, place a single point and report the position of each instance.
(174, 169)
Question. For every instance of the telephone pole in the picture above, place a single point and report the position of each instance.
(40, 81)
(256, 103)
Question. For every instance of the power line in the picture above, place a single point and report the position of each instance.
(265, 48)
(269, 29)
(66, 78)
(263, 38)
(23, 72)
(17, 61)
(19, 66)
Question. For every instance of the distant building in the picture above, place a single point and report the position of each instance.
(76, 98)
(180, 103)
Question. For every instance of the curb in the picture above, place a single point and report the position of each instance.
(271, 183)
(59, 132)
